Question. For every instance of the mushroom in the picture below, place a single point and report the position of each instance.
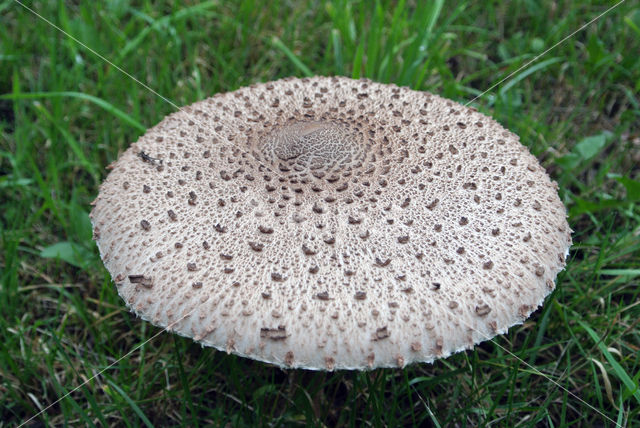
(328, 223)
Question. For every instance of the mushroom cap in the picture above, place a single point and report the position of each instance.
(330, 223)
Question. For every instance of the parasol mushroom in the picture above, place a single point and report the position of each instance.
(329, 223)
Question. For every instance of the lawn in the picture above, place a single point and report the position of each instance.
(66, 113)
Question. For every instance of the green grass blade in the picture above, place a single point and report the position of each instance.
(158, 24)
(629, 273)
(528, 72)
(419, 49)
(131, 403)
(357, 62)
(631, 386)
(277, 43)
(337, 51)
(95, 100)
(75, 146)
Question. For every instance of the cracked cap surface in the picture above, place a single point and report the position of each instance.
(329, 223)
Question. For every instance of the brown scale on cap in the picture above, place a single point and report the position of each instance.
(369, 213)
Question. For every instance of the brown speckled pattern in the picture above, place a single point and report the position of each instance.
(329, 223)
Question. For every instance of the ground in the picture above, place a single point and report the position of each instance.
(65, 114)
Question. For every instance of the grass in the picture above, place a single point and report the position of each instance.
(66, 114)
